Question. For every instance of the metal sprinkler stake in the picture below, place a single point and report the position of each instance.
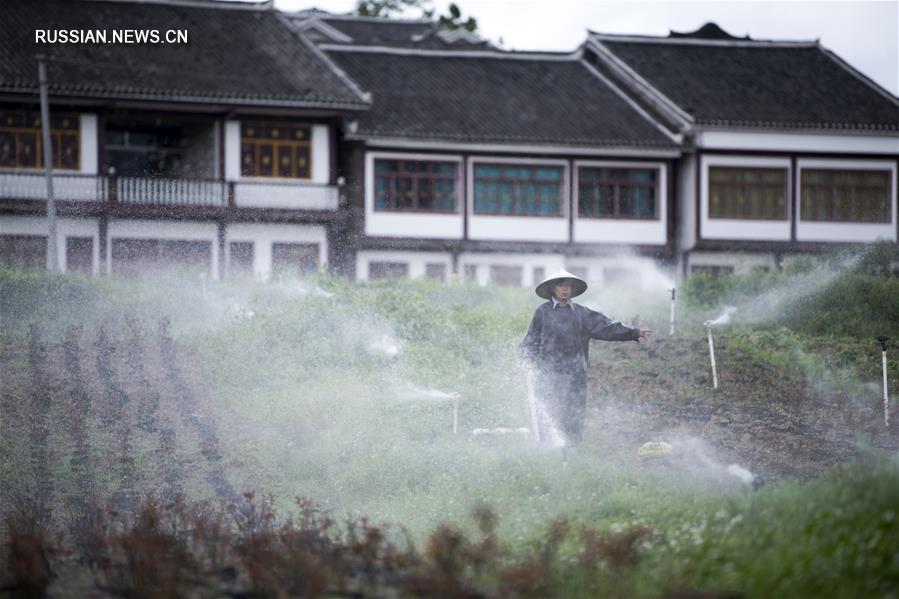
(673, 291)
(455, 413)
(708, 326)
(886, 392)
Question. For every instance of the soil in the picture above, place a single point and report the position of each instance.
(761, 417)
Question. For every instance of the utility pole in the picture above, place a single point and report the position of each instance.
(52, 255)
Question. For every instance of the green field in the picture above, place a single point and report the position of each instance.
(340, 393)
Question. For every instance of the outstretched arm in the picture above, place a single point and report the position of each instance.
(602, 327)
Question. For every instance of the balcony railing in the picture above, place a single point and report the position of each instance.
(180, 192)
(157, 191)
(33, 186)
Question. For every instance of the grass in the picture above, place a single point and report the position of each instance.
(309, 399)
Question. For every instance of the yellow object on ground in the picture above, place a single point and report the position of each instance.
(654, 448)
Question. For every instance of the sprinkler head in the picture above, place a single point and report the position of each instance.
(673, 291)
(882, 340)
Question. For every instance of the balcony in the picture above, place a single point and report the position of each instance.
(160, 191)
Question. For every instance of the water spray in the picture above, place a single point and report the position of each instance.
(673, 291)
(882, 340)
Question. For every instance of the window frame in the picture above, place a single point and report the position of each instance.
(56, 135)
(661, 187)
(732, 229)
(564, 184)
(276, 145)
(847, 167)
(416, 178)
(744, 168)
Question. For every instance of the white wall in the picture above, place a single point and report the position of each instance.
(411, 224)
(264, 235)
(685, 230)
(152, 229)
(416, 262)
(808, 141)
(65, 227)
(88, 140)
(519, 228)
(742, 229)
(845, 232)
(620, 230)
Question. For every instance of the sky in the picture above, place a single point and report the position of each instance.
(863, 33)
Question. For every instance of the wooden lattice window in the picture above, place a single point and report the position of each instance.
(415, 185)
(629, 193)
(860, 196)
(748, 193)
(518, 190)
(21, 140)
(275, 150)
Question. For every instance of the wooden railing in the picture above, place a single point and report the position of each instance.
(179, 192)
(68, 187)
(158, 191)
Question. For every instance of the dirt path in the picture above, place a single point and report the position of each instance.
(767, 420)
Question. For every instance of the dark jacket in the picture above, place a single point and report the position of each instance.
(559, 338)
(558, 341)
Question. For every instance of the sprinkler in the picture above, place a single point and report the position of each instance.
(673, 291)
(882, 340)
(708, 327)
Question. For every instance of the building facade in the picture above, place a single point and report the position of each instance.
(216, 156)
(278, 143)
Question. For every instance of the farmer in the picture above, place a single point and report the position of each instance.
(555, 351)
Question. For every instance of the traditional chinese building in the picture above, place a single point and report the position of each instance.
(217, 155)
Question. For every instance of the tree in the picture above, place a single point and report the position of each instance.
(390, 8)
(387, 8)
(454, 20)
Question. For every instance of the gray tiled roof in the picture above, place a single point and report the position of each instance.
(236, 55)
(757, 84)
(494, 98)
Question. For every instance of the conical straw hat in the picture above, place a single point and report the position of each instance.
(545, 288)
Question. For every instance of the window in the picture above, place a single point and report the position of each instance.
(517, 190)
(387, 270)
(144, 151)
(748, 193)
(294, 259)
(23, 251)
(275, 150)
(436, 271)
(470, 272)
(507, 276)
(80, 254)
(132, 257)
(21, 144)
(617, 192)
(539, 274)
(415, 186)
(713, 272)
(845, 196)
(240, 258)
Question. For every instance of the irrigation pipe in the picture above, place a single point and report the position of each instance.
(708, 327)
(673, 291)
(886, 390)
